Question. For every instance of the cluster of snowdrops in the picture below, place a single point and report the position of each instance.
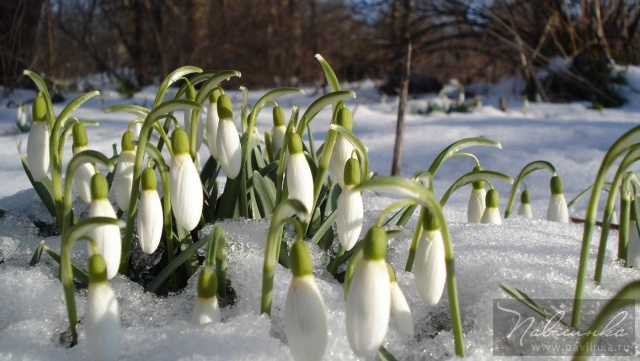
(165, 194)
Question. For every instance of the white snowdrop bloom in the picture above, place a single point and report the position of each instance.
(430, 266)
(150, 218)
(368, 306)
(206, 309)
(227, 141)
(38, 141)
(558, 210)
(212, 127)
(343, 148)
(350, 211)
(185, 187)
(106, 237)
(491, 213)
(525, 205)
(102, 316)
(83, 174)
(123, 177)
(278, 130)
(400, 310)
(21, 116)
(298, 175)
(305, 317)
(476, 206)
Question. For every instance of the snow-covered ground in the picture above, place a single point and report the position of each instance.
(539, 257)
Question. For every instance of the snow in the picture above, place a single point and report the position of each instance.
(539, 257)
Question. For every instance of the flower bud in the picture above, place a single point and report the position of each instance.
(106, 237)
(185, 186)
(227, 141)
(150, 218)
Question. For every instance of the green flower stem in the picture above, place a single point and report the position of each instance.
(620, 146)
(66, 272)
(281, 165)
(319, 104)
(607, 186)
(221, 264)
(623, 233)
(86, 156)
(360, 149)
(134, 122)
(172, 78)
(426, 199)
(333, 265)
(452, 149)
(464, 154)
(281, 214)
(535, 165)
(623, 298)
(145, 132)
(475, 176)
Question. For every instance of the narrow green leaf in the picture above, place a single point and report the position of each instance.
(360, 148)
(78, 272)
(184, 256)
(266, 193)
(138, 111)
(326, 225)
(533, 166)
(212, 82)
(66, 112)
(44, 189)
(332, 79)
(529, 302)
(449, 151)
(37, 254)
(172, 78)
(385, 355)
(319, 104)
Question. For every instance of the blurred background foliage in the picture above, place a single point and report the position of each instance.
(137, 42)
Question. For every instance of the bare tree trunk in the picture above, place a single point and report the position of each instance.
(402, 103)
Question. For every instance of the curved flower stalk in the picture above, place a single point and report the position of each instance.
(343, 148)
(633, 242)
(278, 130)
(350, 211)
(368, 306)
(557, 211)
(107, 237)
(102, 316)
(190, 94)
(184, 183)
(82, 176)
(227, 140)
(430, 268)
(212, 124)
(476, 205)
(400, 310)
(38, 141)
(305, 317)
(298, 176)
(150, 216)
(123, 177)
(531, 167)
(491, 213)
(525, 205)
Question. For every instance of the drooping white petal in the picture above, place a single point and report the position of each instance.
(300, 180)
(123, 179)
(186, 191)
(102, 322)
(558, 210)
(400, 310)
(149, 220)
(633, 246)
(350, 216)
(525, 210)
(476, 205)
(107, 237)
(491, 215)
(305, 320)
(38, 150)
(341, 153)
(430, 267)
(368, 307)
(206, 311)
(212, 129)
(82, 178)
(277, 138)
(228, 148)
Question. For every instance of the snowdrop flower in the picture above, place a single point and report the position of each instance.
(206, 309)
(38, 142)
(106, 237)
(525, 205)
(227, 141)
(184, 183)
(430, 267)
(191, 95)
(278, 130)
(369, 298)
(21, 116)
(399, 307)
(558, 210)
(84, 173)
(342, 149)
(102, 317)
(350, 211)
(305, 318)
(491, 213)
(212, 125)
(149, 219)
(123, 177)
(298, 175)
(475, 207)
